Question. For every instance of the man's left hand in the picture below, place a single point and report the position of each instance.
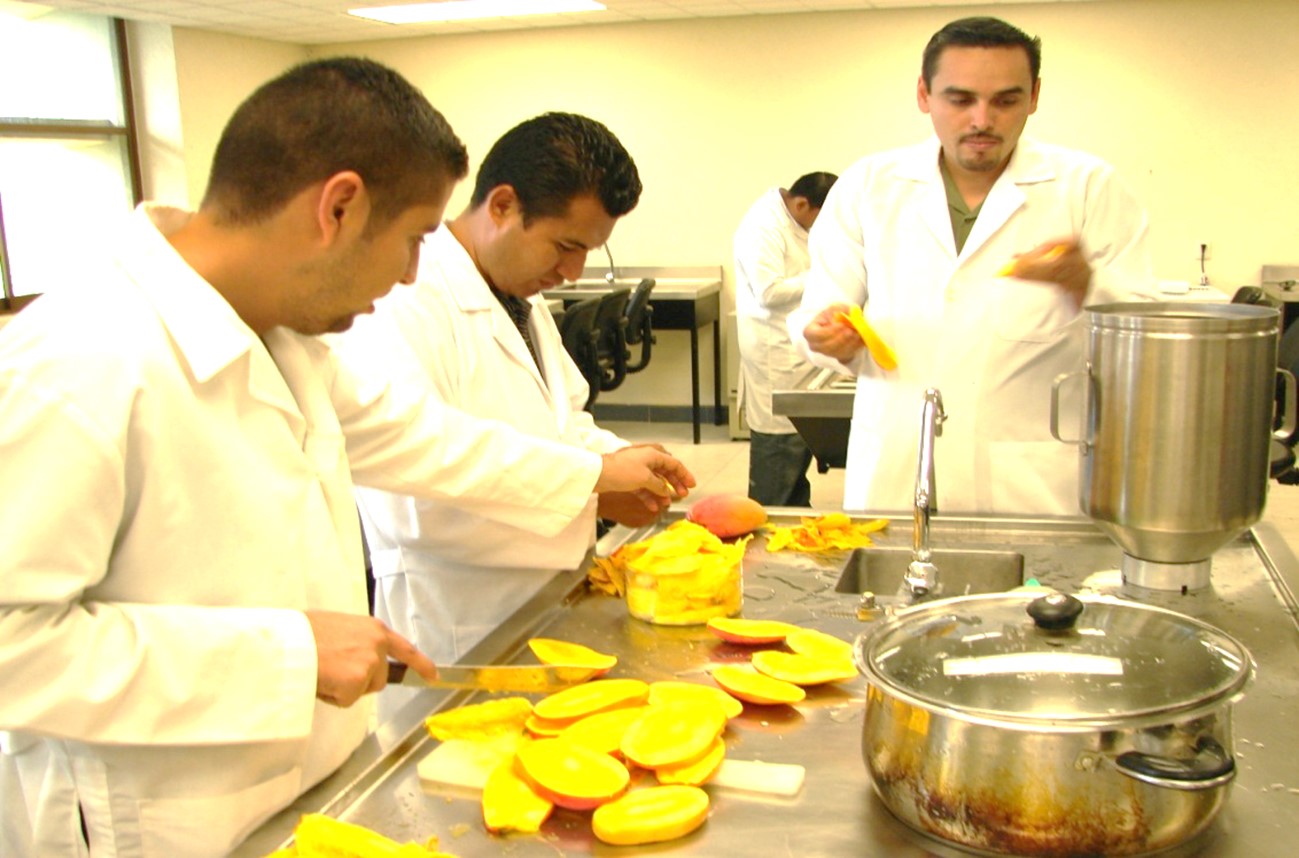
(632, 509)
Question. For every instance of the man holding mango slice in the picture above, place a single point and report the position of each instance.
(962, 263)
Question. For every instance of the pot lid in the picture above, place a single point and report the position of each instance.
(1024, 658)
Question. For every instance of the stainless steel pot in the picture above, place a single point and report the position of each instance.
(1175, 456)
(1023, 724)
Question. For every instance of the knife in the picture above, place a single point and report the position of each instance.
(525, 678)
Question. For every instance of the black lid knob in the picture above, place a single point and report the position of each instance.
(1056, 612)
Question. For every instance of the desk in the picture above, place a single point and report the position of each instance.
(684, 299)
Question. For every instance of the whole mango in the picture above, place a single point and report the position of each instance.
(727, 515)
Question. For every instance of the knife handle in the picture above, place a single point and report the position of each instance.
(396, 672)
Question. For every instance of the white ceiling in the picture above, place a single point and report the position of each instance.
(327, 21)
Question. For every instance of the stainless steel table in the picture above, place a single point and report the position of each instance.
(836, 814)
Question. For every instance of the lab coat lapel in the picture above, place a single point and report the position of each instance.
(921, 167)
(1007, 195)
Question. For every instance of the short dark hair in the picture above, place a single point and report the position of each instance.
(813, 187)
(551, 159)
(980, 33)
(324, 117)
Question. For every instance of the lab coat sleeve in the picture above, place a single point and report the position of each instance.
(403, 440)
(838, 271)
(1115, 238)
(104, 671)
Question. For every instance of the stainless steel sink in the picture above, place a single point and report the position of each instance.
(960, 571)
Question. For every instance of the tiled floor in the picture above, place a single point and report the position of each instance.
(722, 466)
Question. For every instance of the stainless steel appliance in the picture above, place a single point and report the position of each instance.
(1179, 406)
(820, 407)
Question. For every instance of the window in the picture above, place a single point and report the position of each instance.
(68, 159)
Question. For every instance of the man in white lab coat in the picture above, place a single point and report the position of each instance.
(921, 238)
(770, 263)
(475, 329)
(184, 640)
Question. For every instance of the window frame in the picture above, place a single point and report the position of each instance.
(75, 129)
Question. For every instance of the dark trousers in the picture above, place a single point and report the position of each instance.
(778, 469)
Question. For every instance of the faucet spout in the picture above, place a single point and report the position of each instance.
(922, 575)
(611, 274)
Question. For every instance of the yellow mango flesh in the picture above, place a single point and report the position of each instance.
(694, 772)
(551, 651)
(804, 670)
(571, 776)
(592, 697)
(603, 731)
(753, 687)
(818, 644)
(880, 351)
(667, 690)
(673, 733)
(480, 720)
(510, 804)
(740, 631)
(651, 815)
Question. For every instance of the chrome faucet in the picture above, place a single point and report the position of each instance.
(609, 276)
(922, 575)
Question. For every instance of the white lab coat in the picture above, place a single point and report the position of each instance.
(446, 576)
(771, 260)
(176, 494)
(992, 345)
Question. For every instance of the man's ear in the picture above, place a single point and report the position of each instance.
(922, 95)
(343, 206)
(502, 202)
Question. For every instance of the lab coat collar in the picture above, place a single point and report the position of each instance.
(471, 294)
(207, 332)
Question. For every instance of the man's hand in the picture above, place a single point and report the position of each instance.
(633, 509)
(829, 336)
(352, 655)
(646, 468)
(1059, 261)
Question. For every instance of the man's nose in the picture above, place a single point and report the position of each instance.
(571, 264)
(980, 114)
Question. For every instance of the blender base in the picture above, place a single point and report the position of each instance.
(1154, 575)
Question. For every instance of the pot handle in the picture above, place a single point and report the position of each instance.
(1287, 407)
(1084, 443)
(1211, 767)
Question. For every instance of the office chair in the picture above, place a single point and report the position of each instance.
(640, 324)
(577, 330)
(611, 338)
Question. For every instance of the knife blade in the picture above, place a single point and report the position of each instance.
(523, 678)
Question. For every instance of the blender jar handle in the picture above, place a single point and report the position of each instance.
(1055, 406)
(1287, 407)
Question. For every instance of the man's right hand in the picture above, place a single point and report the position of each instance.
(352, 654)
(826, 334)
(646, 468)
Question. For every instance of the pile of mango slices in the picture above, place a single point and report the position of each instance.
(831, 532)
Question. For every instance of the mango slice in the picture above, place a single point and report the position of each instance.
(546, 728)
(752, 687)
(509, 804)
(667, 690)
(651, 815)
(480, 720)
(818, 644)
(880, 351)
(592, 697)
(673, 733)
(750, 632)
(571, 776)
(804, 670)
(694, 772)
(551, 651)
(603, 731)
(320, 835)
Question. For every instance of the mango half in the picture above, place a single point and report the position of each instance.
(727, 515)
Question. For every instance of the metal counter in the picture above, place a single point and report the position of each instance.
(1255, 579)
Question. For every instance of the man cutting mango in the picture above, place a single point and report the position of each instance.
(962, 263)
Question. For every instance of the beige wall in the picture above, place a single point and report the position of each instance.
(1186, 97)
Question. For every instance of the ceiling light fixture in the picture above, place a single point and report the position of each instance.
(464, 10)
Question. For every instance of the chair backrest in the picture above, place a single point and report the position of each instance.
(577, 330)
(611, 342)
(640, 324)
